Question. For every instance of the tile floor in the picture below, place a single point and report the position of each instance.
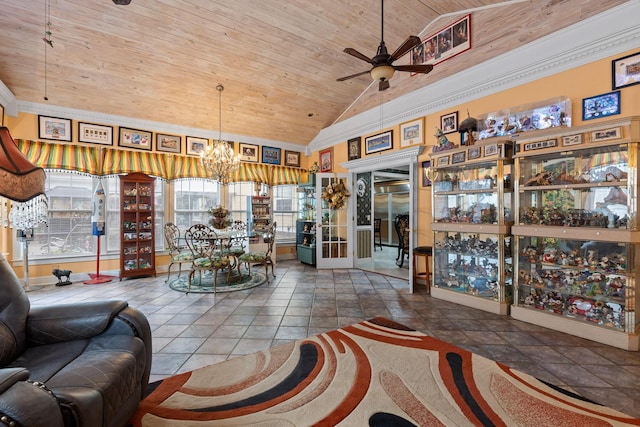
(190, 331)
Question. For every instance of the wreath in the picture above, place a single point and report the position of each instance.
(335, 195)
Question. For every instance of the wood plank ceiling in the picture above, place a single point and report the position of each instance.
(279, 60)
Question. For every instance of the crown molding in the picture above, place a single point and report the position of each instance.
(394, 158)
(612, 32)
(8, 100)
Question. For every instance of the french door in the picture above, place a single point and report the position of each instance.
(334, 225)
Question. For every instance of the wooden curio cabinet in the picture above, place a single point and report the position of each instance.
(137, 245)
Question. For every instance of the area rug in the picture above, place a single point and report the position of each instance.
(247, 281)
(373, 373)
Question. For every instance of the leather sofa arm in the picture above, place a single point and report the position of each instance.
(25, 403)
(68, 322)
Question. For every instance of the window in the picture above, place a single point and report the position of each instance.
(285, 211)
(240, 200)
(193, 198)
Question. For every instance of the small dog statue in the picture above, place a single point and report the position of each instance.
(60, 274)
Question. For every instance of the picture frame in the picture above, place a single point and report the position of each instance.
(292, 158)
(1, 115)
(572, 139)
(326, 160)
(449, 122)
(606, 134)
(271, 155)
(411, 133)
(379, 142)
(134, 138)
(248, 152)
(625, 71)
(474, 153)
(459, 157)
(426, 173)
(196, 145)
(490, 150)
(604, 105)
(354, 147)
(95, 134)
(168, 143)
(444, 44)
(443, 161)
(54, 128)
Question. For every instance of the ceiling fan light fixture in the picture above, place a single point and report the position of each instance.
(382, 73)
(122, 2)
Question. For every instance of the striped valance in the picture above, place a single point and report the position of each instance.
(102, 161)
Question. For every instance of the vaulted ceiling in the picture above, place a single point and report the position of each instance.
(278, 60)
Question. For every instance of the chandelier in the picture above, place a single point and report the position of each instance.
(218, 158)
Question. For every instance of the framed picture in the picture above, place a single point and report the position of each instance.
(271, 155)
(354, 148)
(134, 138)
(1, 115)
(411, 133)
(491, 150)
(606, 134)
(248, 153)
(605, 105)
(458, 157)
(95, 134)
(625, 71)
(474, 153)
(443, 161)
(449, 122)
(426, 173)
(196, 145)
(54, 128)
(572, 139)
(444, 44)
(326, 160)
(168, 143)
(292, 158)
(380, 142)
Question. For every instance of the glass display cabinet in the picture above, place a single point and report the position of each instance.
(306, 225)
(576, 231)
(471, 219)
(137, 244)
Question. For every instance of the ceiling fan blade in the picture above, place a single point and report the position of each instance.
(384, 85)
(341, 79)
(358, 55)
(405, 47)
(422, 69)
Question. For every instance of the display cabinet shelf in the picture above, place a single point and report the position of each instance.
(306, 225)
(471, 220)
(576, 233)
(137, 245)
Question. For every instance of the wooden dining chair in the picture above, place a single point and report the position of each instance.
(262, 258)
(402, 230)
(179, 255)
(205, 247)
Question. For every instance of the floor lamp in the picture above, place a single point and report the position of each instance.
(23, 183)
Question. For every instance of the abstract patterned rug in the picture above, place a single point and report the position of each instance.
(246, 282)
(374, 373)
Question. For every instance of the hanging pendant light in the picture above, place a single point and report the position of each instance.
(218, 158)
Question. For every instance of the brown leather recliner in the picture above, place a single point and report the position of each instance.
(84, 364)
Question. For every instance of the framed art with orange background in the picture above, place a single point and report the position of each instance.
(326, 160)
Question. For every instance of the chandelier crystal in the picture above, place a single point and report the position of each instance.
(218, 158)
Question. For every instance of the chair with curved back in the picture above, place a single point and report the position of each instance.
(178, 254)
(235, 246)
(205, 247)
(262, 258)
(401, 224)
(377, 233)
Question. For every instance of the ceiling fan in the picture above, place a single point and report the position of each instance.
(383, 68)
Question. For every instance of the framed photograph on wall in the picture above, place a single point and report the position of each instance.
(168, 143)
(605, 105)
(353, 146)
(134, 138)
(271, 155)
(326, 160)
(625, 71)
(292, 158)
(449, 122)
(95, 134)
(411, 133)
(606, 134)
(443, 161)
(54, 128)
(474, 153)
(196, 145)
(426, 173)
(249, 153)
(458, 157)
(380, 142)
